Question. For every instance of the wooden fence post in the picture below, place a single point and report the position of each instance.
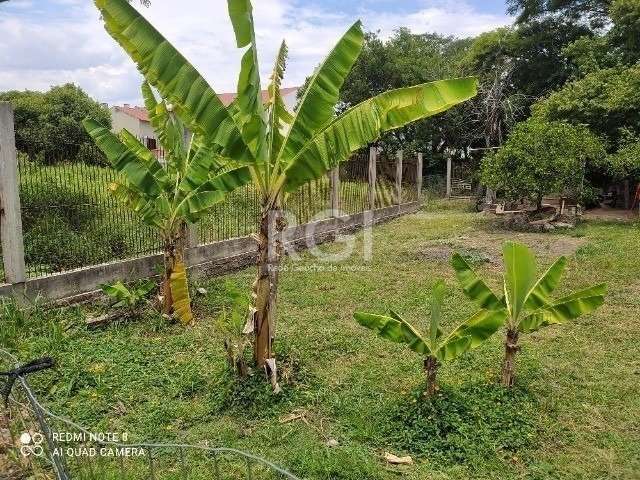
(399, 158)
(419, 176)
(334, 182)
(448, 176)
(10, 214)
(373, 159)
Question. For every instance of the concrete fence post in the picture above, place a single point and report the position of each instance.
(334, 182)
(399, 158)
(193, 237)
(10, 214)
(449, 176)
(419, 176)
(373, 160)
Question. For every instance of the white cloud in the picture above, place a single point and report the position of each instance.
(66, 42)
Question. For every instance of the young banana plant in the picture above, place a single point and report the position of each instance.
(527, 302)
(283, 150)
(167, 196)
(435, 346)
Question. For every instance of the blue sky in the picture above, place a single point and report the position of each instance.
(48, 42)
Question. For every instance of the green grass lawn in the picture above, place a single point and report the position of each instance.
(574, 413)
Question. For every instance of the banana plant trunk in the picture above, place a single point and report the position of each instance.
(431, 370)
(174, 246)
(511, 348)
(265, 287)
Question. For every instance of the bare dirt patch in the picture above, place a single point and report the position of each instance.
(486, 247)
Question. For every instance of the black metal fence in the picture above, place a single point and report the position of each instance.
(37, 443)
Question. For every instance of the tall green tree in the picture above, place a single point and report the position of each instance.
(49, 124)
(526, 300)
(189, 182)
(607, 101)
(595, 13)
(282, 149)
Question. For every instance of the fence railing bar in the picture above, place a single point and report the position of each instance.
(183, 465)
(216, 466)
(152, 469)
(249, 473)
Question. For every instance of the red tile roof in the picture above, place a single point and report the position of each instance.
(141, 114)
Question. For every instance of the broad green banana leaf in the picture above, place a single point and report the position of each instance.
(146, 156)
(365, 122)
(520, 276)
(157, 111)
(138, 174)
(473, 286)
(539, 296)
(229, 181)
(180, 294)
(203, 161)
(118, 291)
(145, 208)
(478, 328)
(385, 326)
(453, 348)
(200, 201)
(241, 15)
(411, 335)
(248, 107)
(394, 329)
(174, 77)
(593, 291)
(560, 312)
(317, 105)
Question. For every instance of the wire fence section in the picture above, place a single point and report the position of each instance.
(70, 220)
(37, 443)
(354, 184)
(409, 182)
(386, 179)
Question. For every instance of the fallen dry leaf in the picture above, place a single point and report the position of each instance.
(395, 460)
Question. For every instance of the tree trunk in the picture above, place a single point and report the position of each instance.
(174, 246)
(509, 364)
(431, 369)
(265, 287)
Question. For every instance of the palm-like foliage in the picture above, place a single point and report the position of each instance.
(190, 182)
(434, 345)
(527, 301)
(283, 149)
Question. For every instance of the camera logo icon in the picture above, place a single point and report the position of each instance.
(31, 444)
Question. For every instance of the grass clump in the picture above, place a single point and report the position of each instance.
(469, 424)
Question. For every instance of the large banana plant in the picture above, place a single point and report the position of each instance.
(526, 301)
(283, 149)
(434, 345)
(192, 179)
